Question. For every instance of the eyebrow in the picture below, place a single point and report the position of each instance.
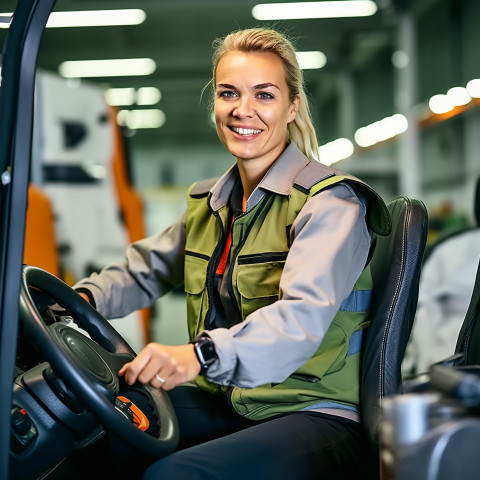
(260, 86)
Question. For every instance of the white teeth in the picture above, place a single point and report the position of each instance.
(245, 131)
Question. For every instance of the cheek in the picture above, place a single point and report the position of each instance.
(218, 118)
(275, 118)
(219, 113)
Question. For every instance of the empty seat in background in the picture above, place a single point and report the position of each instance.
(446, 285)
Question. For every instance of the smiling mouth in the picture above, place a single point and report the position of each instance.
(245, 131)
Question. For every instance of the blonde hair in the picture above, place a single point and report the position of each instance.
(260, 40)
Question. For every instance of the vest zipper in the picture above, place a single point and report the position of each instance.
(197, 255)
(212, 266)
(239, 247)
(262, 258)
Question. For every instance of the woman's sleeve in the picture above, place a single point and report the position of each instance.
(330, 245)
(152, 267)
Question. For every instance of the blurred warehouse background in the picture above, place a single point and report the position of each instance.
(394, 88)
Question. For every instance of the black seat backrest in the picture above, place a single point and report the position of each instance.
(468, 342)
(395, 266)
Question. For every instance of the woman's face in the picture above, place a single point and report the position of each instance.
(252, 105)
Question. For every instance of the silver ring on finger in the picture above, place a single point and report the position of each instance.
(160, 379)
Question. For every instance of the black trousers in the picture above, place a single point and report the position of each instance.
(217, 443)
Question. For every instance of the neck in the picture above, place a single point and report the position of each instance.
(250, 175)
(252, 170)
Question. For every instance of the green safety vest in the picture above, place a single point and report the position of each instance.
(260, 244)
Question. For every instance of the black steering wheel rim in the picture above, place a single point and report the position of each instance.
(77, 380)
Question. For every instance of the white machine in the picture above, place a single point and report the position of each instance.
(72, 163)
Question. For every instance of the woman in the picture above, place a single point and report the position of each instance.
(273, 259)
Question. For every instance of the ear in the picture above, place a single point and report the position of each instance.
(293, 109)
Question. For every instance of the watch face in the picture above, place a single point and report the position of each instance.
(205, 350)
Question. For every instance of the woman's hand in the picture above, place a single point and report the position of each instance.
(162, 366)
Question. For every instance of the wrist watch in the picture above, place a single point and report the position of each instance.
(205, 352)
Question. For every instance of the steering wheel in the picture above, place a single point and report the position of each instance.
(88, 365)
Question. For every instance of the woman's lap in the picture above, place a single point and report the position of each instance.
(301, 445)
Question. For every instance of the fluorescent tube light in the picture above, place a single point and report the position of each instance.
(311, 60)
(440, 104)
(96, 18)
(148, 96)
(381, 130)
(120, 96)
(327, 9)
(107, 68)
(130, 96)
(89, 18)
(136, 119)
(473, 88)
(337, 150)
(459, 96)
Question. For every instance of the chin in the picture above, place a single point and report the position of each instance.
(244, 155)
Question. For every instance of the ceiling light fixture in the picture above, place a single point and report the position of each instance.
(302, 10)
(120, 96)
(136, 119)
(337, 150)
(131, 96)
(473, 88)
(107, 68)
(148, 96)
(96, 18)
(381, 130)
(459, 96)
(311, 60)
(440, 104)
(90, 18)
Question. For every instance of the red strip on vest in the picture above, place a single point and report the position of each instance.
(223, 260)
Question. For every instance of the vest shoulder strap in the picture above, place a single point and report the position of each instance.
(315, 177)
(201, 189)
(311, 174)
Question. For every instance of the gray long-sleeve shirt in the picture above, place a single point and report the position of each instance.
(313, 285)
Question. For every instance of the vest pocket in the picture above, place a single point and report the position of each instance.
(195, 288)
(258, 279)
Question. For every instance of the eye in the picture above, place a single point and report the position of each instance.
(265, 96)
(227, 94)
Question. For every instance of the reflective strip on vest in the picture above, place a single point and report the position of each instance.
(326, 404)
(355, 342)
(357, 301)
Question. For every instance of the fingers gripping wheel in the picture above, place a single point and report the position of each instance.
(89, 364)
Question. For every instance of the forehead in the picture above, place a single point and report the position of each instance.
(256, 67)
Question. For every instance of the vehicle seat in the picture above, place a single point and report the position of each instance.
(395, 267)
(449, 234)
(468, 342)
(446, 284)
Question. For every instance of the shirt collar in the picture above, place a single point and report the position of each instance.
(279, 178)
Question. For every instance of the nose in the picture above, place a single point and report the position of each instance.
(243, 108)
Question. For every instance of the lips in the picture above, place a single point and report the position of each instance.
(245, 132)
